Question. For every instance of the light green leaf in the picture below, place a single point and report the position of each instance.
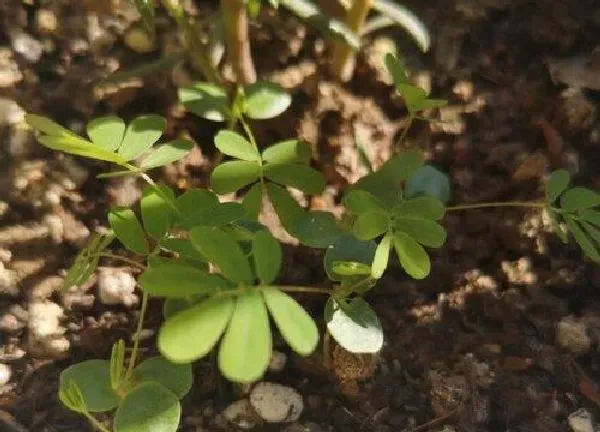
(217, 215)
(191, 334)
(382, 256)
(74, 145)
(206, 100)
(193, 200)
(117, 364)
(128, 230)
(146, 10)
(150, 407)
(45, 125)
(173, 305)
(287, 208)
(359, 201)
(252, 202)
(348, 248)
(70, 395)
(156, 212)
(141, 134)
(235, 145)
(354, 325)
(370, 224)
(267, 255)
(265, 100)
(351, 268)
(412, 256)
(176, 377)
(425, 231)
(413, 96)
(167, 153)
(106, 132)
(579, 198)
(295, 325)
(232, 176)
(582, 239)
(246, 347)
(183, 247)
(318, 229)
(303, 177)
(222, 250)
(396, 68)
(428, 181)
(426, 207)
(286, 152)
(93, 379)
(180, 281)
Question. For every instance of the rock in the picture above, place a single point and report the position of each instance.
(14, 320)
(116, 286)
(45, 288)
(572, 335)
(5, 374)
(276, 403)
(8, 281)
(46, 21)
(581, 421)
(26, 45)
(278, 360)
(5, 255)
(44, 319)
(10, 74)
(11, 113)
(241, 414)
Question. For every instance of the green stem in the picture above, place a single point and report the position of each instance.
(237, 40)
(95, 422)
(522, 204)
(136, 340)
(302, 289)
(124, 259)
(411, 119)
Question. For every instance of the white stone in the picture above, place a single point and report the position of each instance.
(276, 403)
(572, 335)
(44, 319)
(5, 374)
(116, 286)
(581, 421)
(10, 112)
(26, 45)
(278, 360)
(241, 414)
(8, 281)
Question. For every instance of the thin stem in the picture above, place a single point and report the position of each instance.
(136, 340)
(237, 40)
(304, 289)
(160, 192)
(522, 204)
(95, 422)
(411, 119)
(124, 259)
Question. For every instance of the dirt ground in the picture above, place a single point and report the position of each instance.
(503, 335)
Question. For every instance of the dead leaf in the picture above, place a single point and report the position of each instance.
(533, 167)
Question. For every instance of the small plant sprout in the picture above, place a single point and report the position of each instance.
(217, 268)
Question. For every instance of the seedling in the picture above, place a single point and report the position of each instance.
(217, 268)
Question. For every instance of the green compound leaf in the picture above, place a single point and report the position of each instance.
(370, 224)
(348, 248)
(206, 100)
(382, 257)
(426, 207)
(318, 229)
(425, 231)
(235, 145)
(191, 334)
(360, 201)
(176, 377)
(591, 216)
(156, 212)
(86, 261)
(252, 202)
(428, 181)
(246, 347)
(222, 250)
(106, 132)
(172, 280)
(295, 324)
(557, 183)
(141, 134)
(232, 176)
(405, 19)
(150, 407)
(193, 200)
(351, 268)
(303, 177)
(267, 255)
(167, 153)
(128, 230)
(46, 126)
(287, 208)
(354, 325)
(413, 258)
(397, 69)
(579, 198)
(183, 247)
(413, 96)
(93, 379)
(77, 146)
(265, 100)
(216, 215)
(70, 395)
(582, 239)
(287, 152)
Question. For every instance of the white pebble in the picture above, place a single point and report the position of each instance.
(275, 403)
(5, 374)
(581, 421)
(44, 319)
(8, 281)
(26, 45)
(278, 360)
(116, 286)
(241, 414)
(572, 335)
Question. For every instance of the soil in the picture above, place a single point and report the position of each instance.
(475, 347)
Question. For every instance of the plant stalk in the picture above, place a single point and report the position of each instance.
(95, 422)
(344, 59)
(521, 204)
(136, 340)
(237, 40)
(124, 259)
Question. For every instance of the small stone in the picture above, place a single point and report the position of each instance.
(116, 286)
(27, 46)
(44, 319)
(5, 255)
(5, 374)
(45, 288)
(139, 40)
(572, 335)
(46, 21)
(276, 403)
(11, 113)
(10, 323)
(10, 74)
(241, 414)
(8, 281)
(278, 360)
(55, 227)
(581, 421)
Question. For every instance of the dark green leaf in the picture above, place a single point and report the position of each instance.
(579, 198)
(593, 233)
(183, 247)
(428, 181)
(412, 256)
(176, 377)
(235, 145)
(128, 230)
(140, 135)
(382, 256)
(217, 215)
(267, 255)
(354, 325)
(370, 224)
(246, 347)
(303, 177)
(93, 379)
(179, 281)
(360, 201)
(348, 248)
(265, 100)
(318, 229)
(252, 202)
(206, 100)
(156, 212)
(166, 154)
(591, 216)
(582, 239)
(174, 305)
(287, 152)
(295, 325)
(146, 10)
(191, 334)
(425, 231)
(556, 227)
(150, 407)
(232, 176)
(106, 132)
(195, 199)
(222, 250)
(405, 19)
(426, 207)
(287, 208)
